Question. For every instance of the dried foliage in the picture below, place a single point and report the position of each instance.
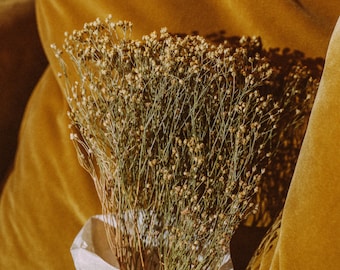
(178, 134)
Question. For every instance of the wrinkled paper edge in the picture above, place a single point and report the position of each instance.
(84, 251)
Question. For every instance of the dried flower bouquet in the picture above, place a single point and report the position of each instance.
(177, 134)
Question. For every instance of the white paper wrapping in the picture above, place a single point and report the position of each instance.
(90, 249)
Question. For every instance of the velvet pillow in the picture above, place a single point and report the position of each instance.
(48, 196)
(307, 234)
(21, 56)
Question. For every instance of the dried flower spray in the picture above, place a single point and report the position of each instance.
(177, 134)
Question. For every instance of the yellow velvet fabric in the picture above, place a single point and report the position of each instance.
(310, 231)
(48, 196)
(18, 33)
(309, 234)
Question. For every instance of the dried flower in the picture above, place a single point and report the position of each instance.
(177, 133)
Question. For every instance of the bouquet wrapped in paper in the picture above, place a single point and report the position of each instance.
(177, 134)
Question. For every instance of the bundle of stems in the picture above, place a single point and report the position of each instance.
(177, 134)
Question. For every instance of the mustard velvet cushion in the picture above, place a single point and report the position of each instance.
(48, 196)
(21, 56)
(308, 234)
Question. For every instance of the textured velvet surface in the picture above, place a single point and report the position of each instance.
(310, 232)
(309, 235)
(22, 62)
(48, 196)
